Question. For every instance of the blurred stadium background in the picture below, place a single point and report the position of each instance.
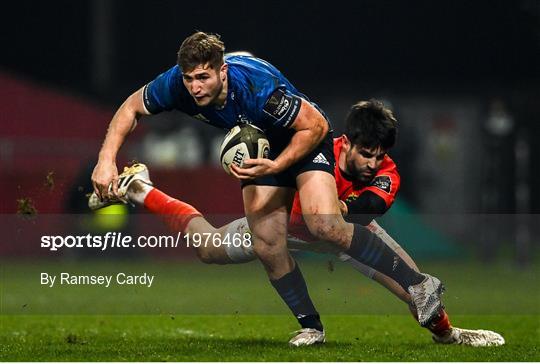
(463, 78)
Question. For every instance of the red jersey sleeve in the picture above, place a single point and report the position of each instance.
(386, 182)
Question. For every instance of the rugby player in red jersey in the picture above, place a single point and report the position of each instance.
(367, 182)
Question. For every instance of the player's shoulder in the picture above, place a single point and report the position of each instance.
(389, 170)
(386, 182)
(170, 79)
(246, 71)
(388, 165)
(249, 64)
(167, 92)
(173, 73)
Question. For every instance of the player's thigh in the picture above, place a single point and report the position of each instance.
(318, 193)
(320, 207)
(266, 211)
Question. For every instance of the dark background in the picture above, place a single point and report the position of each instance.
(322, 46)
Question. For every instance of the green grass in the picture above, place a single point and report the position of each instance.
(196, 312)
(249, 338)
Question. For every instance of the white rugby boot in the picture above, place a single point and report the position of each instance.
(306, 337)
(137, 172)
(466, 337)
(426, 298)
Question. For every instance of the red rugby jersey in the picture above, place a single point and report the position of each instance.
(385, 184)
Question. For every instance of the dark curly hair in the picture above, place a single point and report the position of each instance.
(370, 124)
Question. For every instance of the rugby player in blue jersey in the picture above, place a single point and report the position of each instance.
(225, 91)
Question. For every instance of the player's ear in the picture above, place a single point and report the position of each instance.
(223, 72)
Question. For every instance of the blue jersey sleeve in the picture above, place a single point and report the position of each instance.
(267, 96)
(165, 92)
(273, 105)
(281, 107)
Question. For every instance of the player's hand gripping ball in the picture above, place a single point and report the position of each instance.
(243, 142)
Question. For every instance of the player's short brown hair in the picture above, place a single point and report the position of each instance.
(201, 48)
(370, 124)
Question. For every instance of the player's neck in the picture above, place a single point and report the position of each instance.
(342, 164)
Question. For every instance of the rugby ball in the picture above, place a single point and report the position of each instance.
(243, 142)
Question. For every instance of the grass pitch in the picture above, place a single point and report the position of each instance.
(250, 338)
(207, 313)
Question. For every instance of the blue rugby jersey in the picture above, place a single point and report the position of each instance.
(257, 94)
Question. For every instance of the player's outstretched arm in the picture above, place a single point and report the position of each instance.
(123, 122)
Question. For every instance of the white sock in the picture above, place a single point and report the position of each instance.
(137, 192)
(242, 253)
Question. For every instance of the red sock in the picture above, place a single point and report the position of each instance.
(177, 213)
(440, 324)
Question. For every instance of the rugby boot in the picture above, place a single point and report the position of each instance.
(466, 337)
(426, 298)
(307, 336)
(137, 172)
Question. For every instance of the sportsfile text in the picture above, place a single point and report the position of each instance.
(109, 240)
(120, 240)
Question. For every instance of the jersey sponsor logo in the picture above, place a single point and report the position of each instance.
(396, 261)
(278, 104)
(352, 197)
(383, 183)
(282, 106)
(320, 158)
